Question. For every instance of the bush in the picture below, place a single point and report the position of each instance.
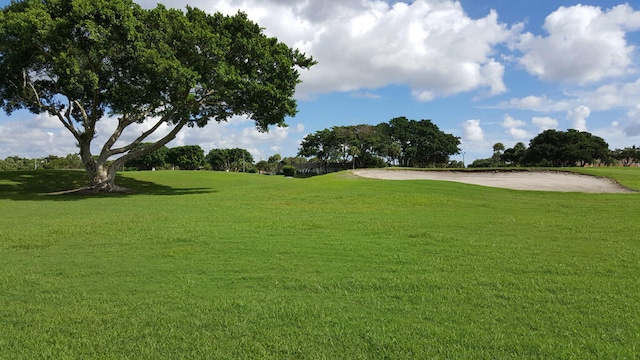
(289, 170)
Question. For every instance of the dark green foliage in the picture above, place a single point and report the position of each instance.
(290, 160)
(190, 157)
(570, 148)
(627, 156)
(421, 143)
(483, 163)
(235, 160)
(18, 163)
(401, 141)
(513, 156)
(263, 166)
(71, 161)
(289, 170)
(154, 160)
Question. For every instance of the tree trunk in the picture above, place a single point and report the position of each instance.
(101, 177)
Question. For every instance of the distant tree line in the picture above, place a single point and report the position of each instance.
(71, 161)
(400, 142)
(192, 157)
(553, 148)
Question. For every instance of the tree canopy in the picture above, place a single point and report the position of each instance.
(419, 143)
(154, 160)
(235, 159)
(554, 148)
(83, 60)
(188, 157)
(627, 156)
(566, 148)
(401, 141)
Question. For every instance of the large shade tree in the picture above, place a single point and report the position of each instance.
(566, 148)
(82, 61)
(405, 142)
(419, 143)
(229, 159)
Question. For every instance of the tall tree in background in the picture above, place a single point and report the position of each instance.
(156, 159)
(188, 157)
(513, 156)
(82, 60)
(402, 141)
(627, 156)
(322, 145)
(566, 148)
(235, 159)
(421, 143)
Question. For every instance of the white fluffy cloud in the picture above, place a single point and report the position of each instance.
(578, 117)
(609, 96)
(431, 46)
(514, 128)
(34, 136)
(544, 123)
(473, 131)
(584, 44)
(536, 103)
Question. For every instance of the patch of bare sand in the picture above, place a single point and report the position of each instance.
(517, 180)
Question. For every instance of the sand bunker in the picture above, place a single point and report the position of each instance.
(517, 180)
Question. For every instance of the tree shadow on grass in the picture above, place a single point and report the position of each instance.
(63, 185)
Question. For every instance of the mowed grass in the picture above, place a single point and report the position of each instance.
(228, 266)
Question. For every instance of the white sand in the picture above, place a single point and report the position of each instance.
(518, 180)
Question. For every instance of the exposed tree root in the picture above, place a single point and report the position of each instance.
(95, 190)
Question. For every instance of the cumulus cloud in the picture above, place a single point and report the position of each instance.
(578, 117)
(510, 122)
(514, 127)
(544, 123)
(473, 131)
(609, 96)
(584, 44)
(19, 137)
(535, 103)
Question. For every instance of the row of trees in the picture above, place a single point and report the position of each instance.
(628, 156)
(560, 149)
(192, 157)
(71, 161)
(400, 142)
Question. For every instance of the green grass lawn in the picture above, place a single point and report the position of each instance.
(228, 266)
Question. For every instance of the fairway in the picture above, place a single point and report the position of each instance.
(224, 266)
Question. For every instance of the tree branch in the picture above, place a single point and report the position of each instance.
(110, 152)
(85, 116)
(48, 108)
(146, 150)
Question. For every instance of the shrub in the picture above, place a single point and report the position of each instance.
(289, 170)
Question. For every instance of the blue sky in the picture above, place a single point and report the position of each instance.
(486, 71)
